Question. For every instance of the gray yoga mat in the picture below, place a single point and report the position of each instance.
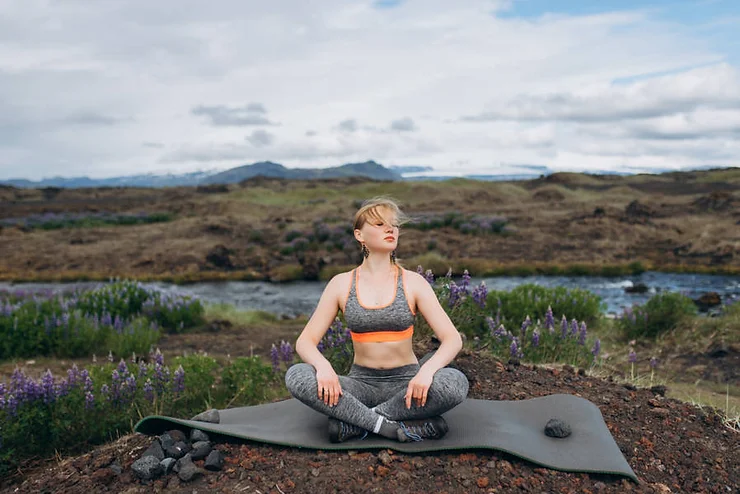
(515, 427)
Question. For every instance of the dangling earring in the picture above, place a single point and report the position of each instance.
(365, 252)
(393, 257)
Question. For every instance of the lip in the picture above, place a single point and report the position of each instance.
(389, 237)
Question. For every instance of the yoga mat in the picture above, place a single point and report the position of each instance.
(515, 427)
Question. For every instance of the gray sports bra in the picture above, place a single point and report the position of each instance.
(393, 322)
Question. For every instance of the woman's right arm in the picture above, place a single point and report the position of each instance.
(307, 344)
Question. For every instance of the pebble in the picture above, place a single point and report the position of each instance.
(201, 449)
(211, 416)
(214, 461)
(186, 469)
(155, 450)
(147, 468)
(178, 450)
(198, 435)
(177, 435)
(385, 458)
(557, 428)
(168, 464)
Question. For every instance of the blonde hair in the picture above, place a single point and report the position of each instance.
(372, 210)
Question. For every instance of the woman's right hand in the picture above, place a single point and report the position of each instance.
(329, 389)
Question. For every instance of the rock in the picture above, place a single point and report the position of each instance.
(147, 468)
(166, 441)
(155, 450)
(659, 390)
(637, 288)
(177, 435)
(186, 469)
(211, 416)
(116, 468)
(198, 435)
(215, 461)
(708, 300)
(385, 458)
(201, 449)
(178, 450)
(167, 465)
(557, 428)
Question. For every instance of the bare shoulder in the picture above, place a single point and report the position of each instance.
(339, 283)
(415, 282)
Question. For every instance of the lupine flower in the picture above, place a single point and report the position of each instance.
(597, 347)
(142, 369)
(286, 352)
(275, 359)
(480, 293)
(513, 348)
(535, 338)
(455, 294)
(525, 325)
(158, 357)
(549, 320)
(48, 387)
(582, 334)
(573, 327)
(149, 390)
(89, 400)
(465, 282)
(420, 270)
(122, 368)
(178, 383)
(563, 327)
(429, 275)
(632, 357)
(653, 362)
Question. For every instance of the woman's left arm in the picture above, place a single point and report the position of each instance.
(451, 341)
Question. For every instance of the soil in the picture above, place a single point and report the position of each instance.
(674, 221)
(672, 447)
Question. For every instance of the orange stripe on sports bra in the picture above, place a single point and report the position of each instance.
(382, 336)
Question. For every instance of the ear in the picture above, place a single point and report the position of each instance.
(358, 235)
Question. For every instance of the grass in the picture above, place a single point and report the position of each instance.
(228, 312)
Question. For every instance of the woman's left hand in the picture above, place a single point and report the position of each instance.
(418, 388)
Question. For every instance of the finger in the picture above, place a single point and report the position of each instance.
(424, 397)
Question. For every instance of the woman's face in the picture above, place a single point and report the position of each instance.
(380, 231)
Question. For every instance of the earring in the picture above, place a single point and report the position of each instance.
(393, 257)
(365, 252)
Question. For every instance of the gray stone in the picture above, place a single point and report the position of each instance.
(557, 428)
(211, 416)
(186, 469)
(178, 450)
(215, 461)
(166, 441)
(116, 467)
(178, 435)
(147, 468)
(201, 449)
(168, 464)
(155, 450)
(198, 435)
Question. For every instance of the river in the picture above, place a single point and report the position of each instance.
(300, 297)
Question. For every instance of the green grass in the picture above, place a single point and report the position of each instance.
(228, 312)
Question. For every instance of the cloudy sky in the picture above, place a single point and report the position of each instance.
(113, 87)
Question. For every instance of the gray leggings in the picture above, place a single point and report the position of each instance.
(384, 389)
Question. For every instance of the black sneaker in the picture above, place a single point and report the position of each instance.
(340, 431)
(418, 430)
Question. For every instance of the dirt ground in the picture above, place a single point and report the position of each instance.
(671, 446)
(686, 220)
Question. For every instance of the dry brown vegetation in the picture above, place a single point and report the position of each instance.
(583, 223)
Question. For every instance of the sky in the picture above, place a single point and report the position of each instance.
(104, 88)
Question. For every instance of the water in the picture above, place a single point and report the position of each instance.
(296, 298)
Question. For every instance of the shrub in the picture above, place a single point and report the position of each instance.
(661, 313)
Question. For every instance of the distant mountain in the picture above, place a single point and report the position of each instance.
(148, 180)
(410, 169)
(369, 169)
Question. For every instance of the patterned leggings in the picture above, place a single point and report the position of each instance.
(384, 389)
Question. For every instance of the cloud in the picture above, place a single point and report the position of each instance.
(405, 124)
(91, 118)
(260, 138)
(153, 145)
(223, 116)
(349, 125)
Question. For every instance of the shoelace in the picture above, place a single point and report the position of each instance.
(427, 428)
(348, 430)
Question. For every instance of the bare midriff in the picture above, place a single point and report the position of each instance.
(384, 355)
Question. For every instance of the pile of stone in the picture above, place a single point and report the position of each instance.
(173, 452)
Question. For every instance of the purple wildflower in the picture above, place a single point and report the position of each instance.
(178, 383)
(48, 387)
(549, 320)
(454, 297)
(563, 327)
(573, 327)
(89, 400)
(480, 293)
(429, 275)
(525, 325)
(597, 347)
(149, 390)
(420, 270)
(513, 348)
(275, 359)
(653, 362)
(632, 357)
(286, 352)
(582, 334)
(142, 369)
(535, 338)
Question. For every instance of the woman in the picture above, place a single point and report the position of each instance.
(387, 391)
